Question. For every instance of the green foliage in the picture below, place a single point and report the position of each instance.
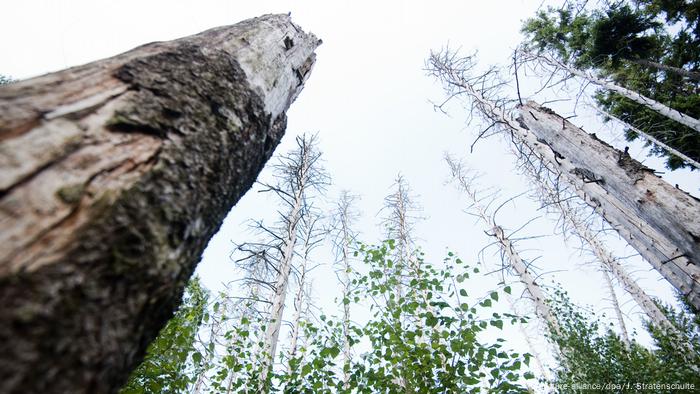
(4, 79)
(238, 367)
(624, 41)
(426, 340)
(592, 353)
(164, 369)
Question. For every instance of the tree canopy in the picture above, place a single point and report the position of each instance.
(649, 46)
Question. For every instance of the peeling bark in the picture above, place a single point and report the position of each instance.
(114, 176)
(660, 221)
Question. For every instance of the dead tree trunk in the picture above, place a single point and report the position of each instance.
(311, 236)
(114, 175)
(344, 237)
(607, 261)
(509, 253)
(660, 221)
(616, 306)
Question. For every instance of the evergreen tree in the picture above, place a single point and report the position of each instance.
(631, 44)
(600, 356)
(167, 365)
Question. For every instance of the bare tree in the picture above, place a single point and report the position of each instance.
(400, 215)
(616, 307)
(297, 175)
(576, 219)
(660, 221)
(311, 237)
(344, 237)
(113, 177)
(464, 182)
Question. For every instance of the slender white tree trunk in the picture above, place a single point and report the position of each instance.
(277, 310)
(347, 355)
(675, 70)
(526, 278)
(660, 108)
(398, 224)
(298, 308)
(616, 306)
(516, 262)
(344, 236)
(650, 138)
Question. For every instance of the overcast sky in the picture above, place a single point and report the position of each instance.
(368, 98)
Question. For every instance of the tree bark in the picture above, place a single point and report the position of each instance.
(578, 226)
(660, 221)
(114, 175)
(533, 289)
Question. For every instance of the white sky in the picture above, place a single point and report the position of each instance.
(368, 98)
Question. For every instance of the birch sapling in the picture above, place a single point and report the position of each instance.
(344, 237)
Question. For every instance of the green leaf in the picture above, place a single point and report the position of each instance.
(494, 296)
(463, 292)
(197, 357)
(306, 369)
(507, 289)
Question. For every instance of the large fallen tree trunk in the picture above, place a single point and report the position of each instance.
(660, 221)
(113, 177)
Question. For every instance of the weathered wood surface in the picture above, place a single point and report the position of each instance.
(660, 221)
(113, 177)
